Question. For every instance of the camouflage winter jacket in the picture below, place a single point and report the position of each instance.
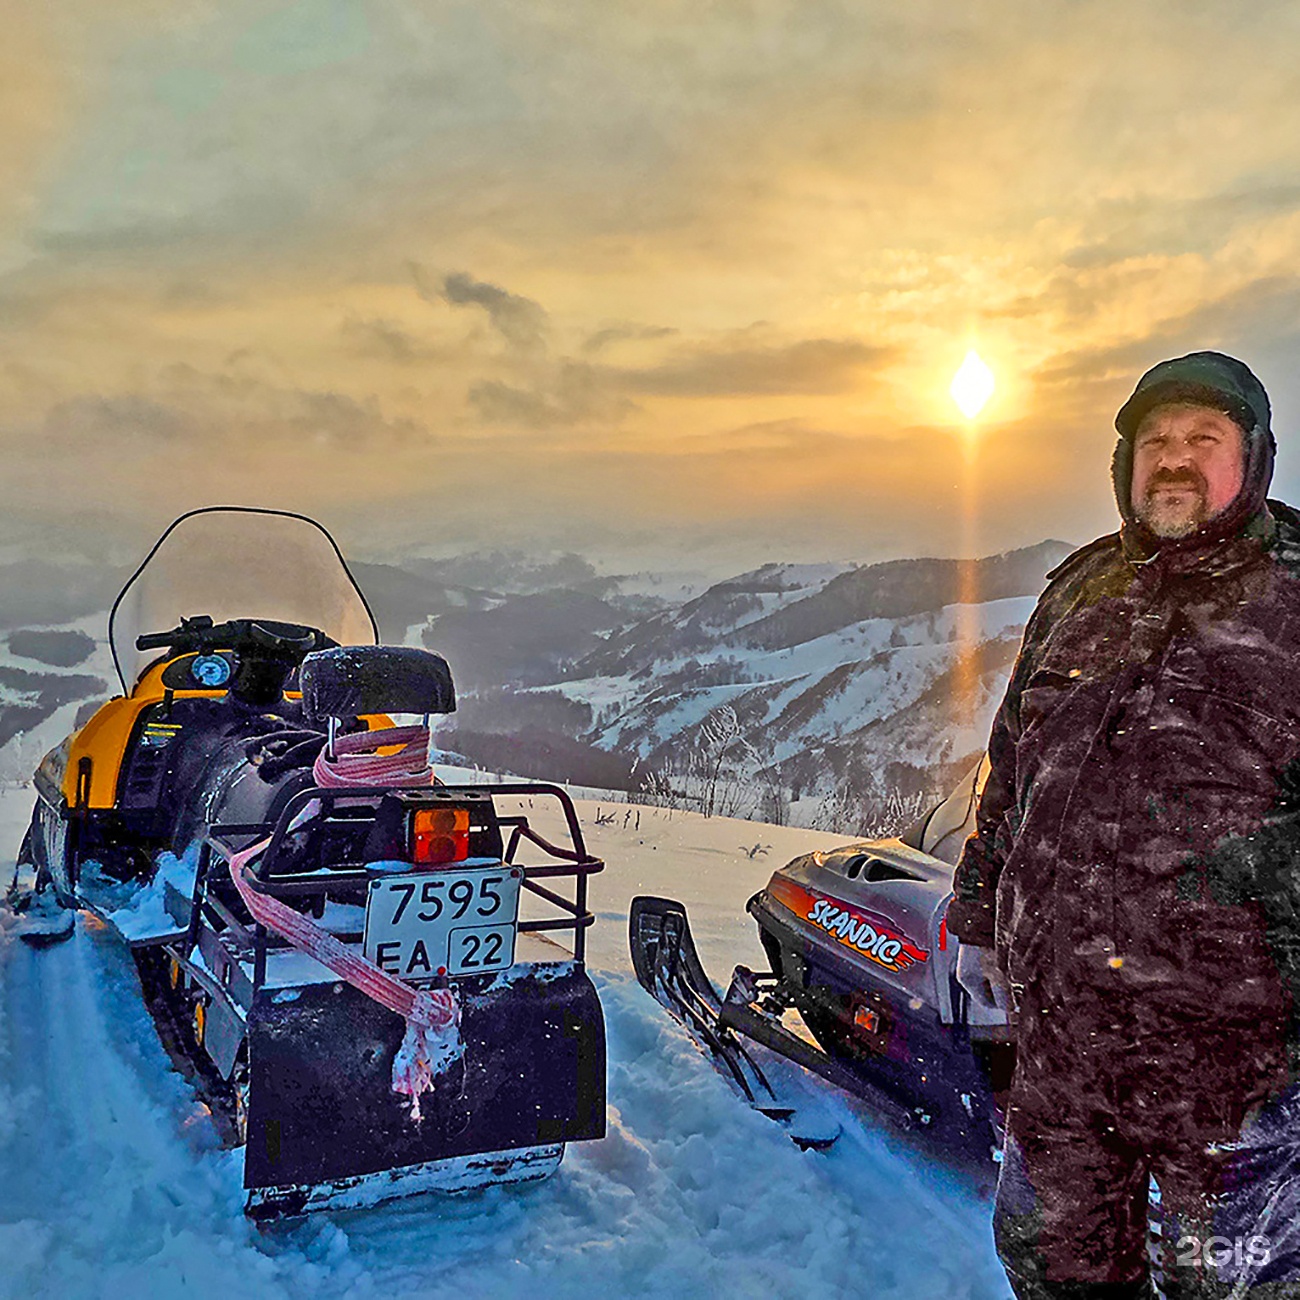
(1139, 826)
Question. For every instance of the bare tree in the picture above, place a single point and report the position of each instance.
(866, 804)
(711, 776)
(718, 744)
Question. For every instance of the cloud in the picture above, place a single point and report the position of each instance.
(520, 321)
(338, 418)
(810, 366)
(115, 422)
(1261, 312)
(199, 122)
(384, 338)
(1088, 188)
(243, 418)
(503, 404)
(568, 393)
(1258, 321)
(624, 333)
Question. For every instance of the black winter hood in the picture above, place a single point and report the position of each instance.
(1207, 379)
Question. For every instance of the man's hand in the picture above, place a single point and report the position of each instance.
(978, 973)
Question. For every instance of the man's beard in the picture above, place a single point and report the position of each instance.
(1175, 517)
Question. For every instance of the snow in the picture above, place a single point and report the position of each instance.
(674, 588)
(114, 1183)
(141, 910)
(22, 752)
(596, 691)
(99, 663)
(892, 663)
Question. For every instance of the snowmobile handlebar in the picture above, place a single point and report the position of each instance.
(266, 651)
(261, 636)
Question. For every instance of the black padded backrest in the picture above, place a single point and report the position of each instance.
(352, 680)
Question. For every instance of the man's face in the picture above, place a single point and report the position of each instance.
(1189, 463)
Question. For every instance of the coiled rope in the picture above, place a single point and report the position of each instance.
(356, 762)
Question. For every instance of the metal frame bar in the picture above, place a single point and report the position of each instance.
(575, 863)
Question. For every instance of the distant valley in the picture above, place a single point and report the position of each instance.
(839, 696)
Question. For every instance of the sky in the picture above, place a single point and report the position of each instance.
(673, 284)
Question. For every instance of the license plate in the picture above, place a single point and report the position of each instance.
(457, 922)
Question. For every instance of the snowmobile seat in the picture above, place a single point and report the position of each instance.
(352, 681)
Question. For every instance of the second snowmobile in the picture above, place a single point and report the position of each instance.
(375, 980)
(860, 985)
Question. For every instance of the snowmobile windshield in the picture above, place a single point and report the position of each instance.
(945, 828)
(234, 563)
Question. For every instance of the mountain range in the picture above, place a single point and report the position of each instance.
(829, 694)
(835, 694)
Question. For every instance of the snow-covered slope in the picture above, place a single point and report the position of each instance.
(41, 701)
(112, 1183)
(826, 687)
(815, 691)
(828, 692)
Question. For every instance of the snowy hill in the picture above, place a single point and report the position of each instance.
(114, 1184)
(50, 680)
(525, 640)
(398, 598)
(712, 618)
(37, 592)
(831, 695)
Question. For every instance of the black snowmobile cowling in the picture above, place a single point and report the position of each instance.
(857, 944)
(300, 893)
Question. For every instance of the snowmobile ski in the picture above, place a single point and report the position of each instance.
(668, 967)
(39, 919)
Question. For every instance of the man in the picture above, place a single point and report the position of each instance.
(1133, 869)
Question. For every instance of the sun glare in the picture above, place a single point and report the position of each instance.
(972, 385)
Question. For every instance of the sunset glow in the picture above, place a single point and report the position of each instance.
(680, 276)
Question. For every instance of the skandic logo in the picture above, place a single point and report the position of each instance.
(870, 935)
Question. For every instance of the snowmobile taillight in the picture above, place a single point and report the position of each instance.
(439, 836)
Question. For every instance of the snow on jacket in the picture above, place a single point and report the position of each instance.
(1139, 825)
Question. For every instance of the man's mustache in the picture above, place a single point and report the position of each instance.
(1177, 478)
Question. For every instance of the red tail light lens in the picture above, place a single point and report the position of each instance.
(439, 835)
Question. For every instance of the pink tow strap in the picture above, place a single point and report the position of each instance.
(432, 1040)
(355, 763)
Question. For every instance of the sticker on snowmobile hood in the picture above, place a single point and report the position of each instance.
(873, 936)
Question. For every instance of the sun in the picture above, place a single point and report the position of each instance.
(972, 385)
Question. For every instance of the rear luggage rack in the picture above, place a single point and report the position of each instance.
(574, 862)
(324, 1122)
